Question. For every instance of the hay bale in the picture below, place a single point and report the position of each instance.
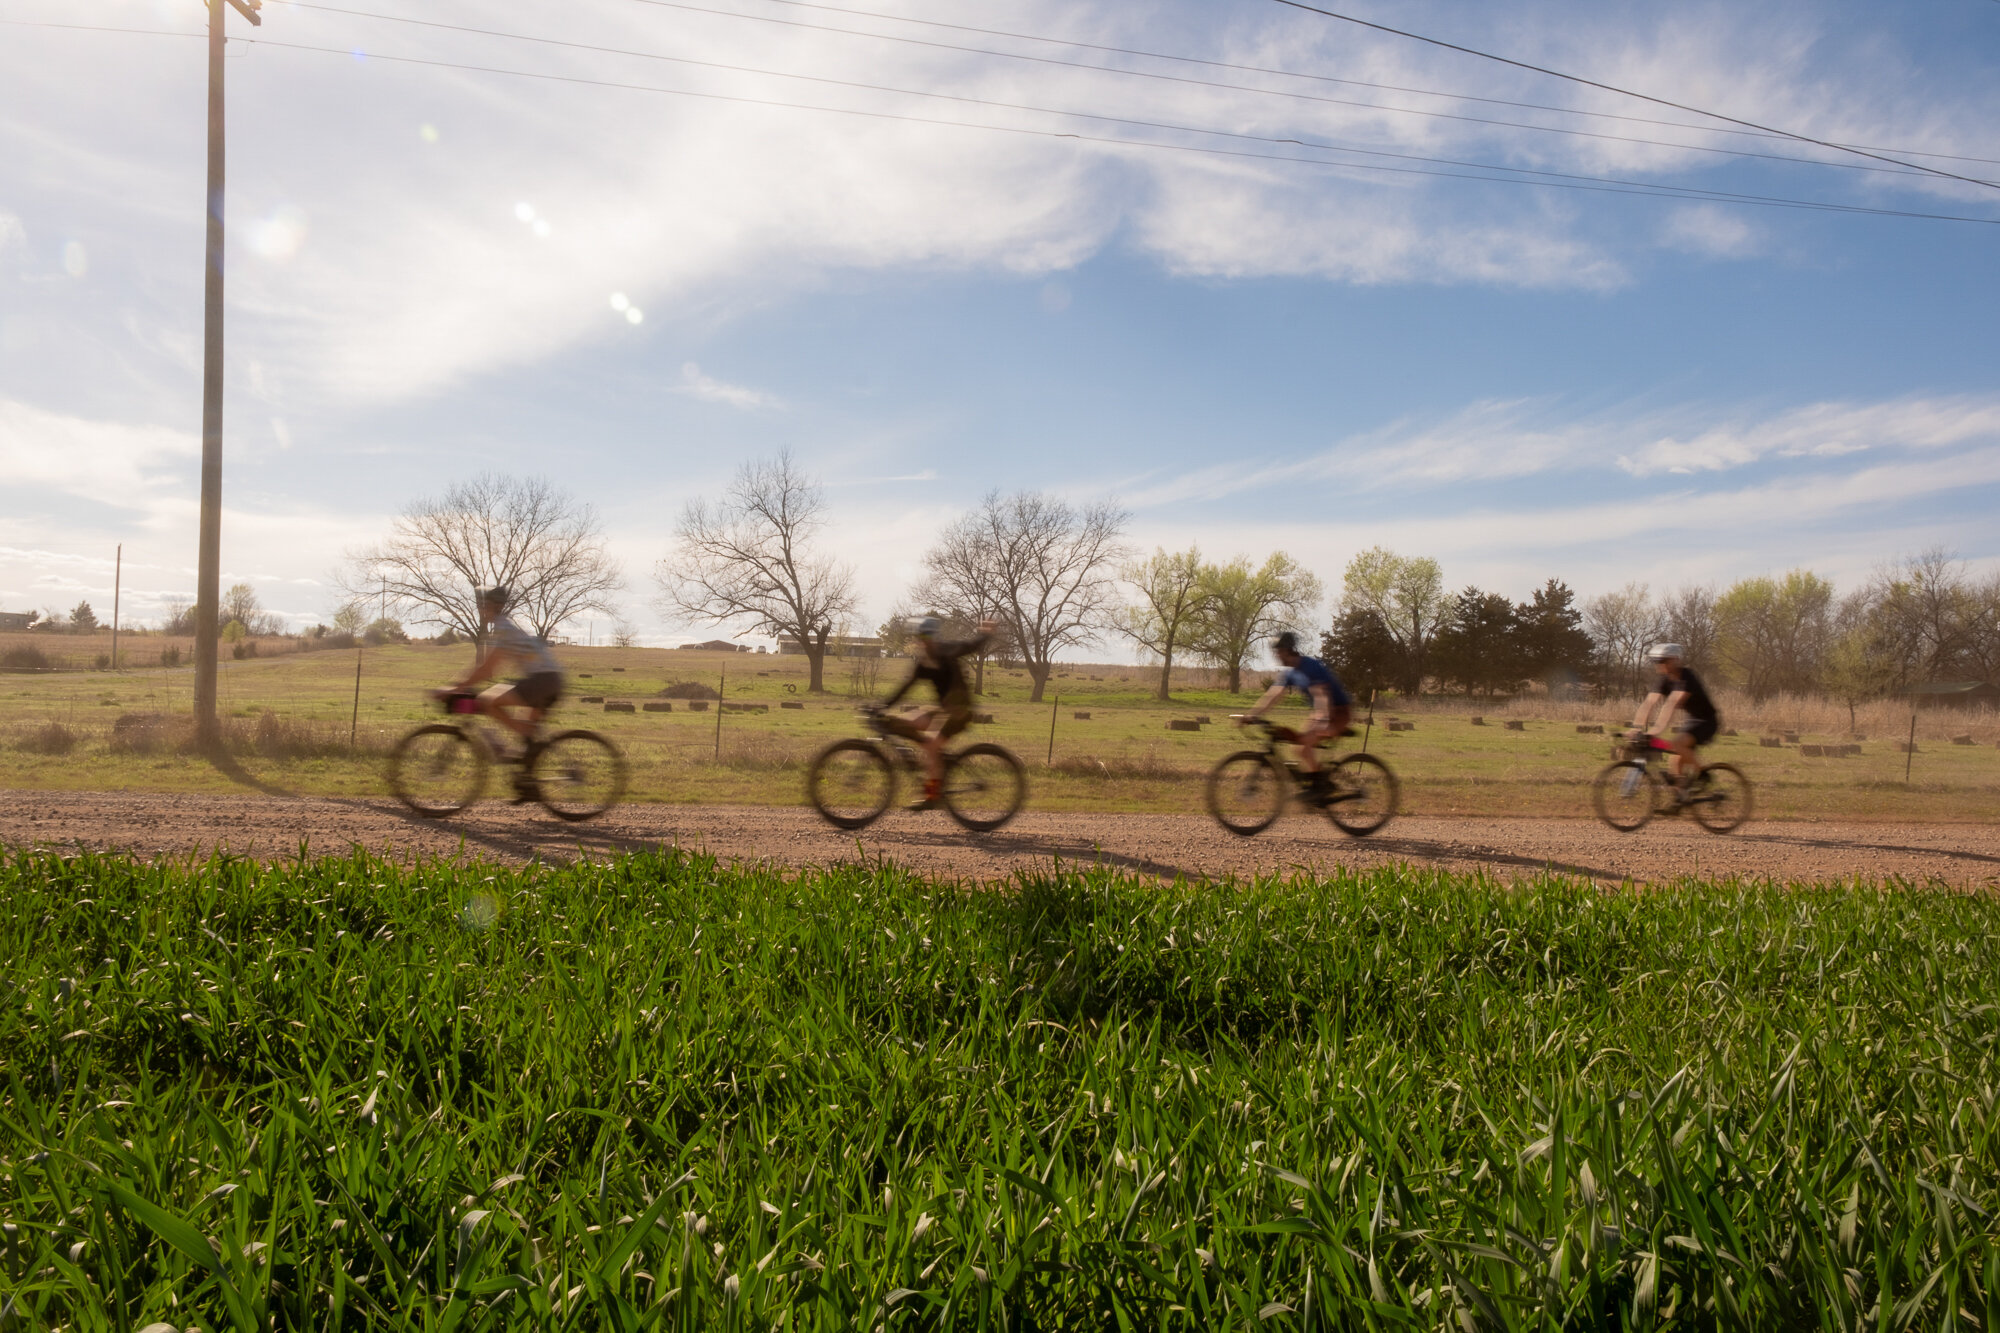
(1962, 740)
(1516, 724)
(1183, 724)
(657, 708)
(792, 703)
(746, 708)
(1791, 738)
(618, 706)
(1590, 728)
(1849, 751)
(1201, 718)
(1730, 731)
(591, 699)
(1402, 726)
(1771, 742)
(984, 719)
(1478, 721)
(697, 705)
(1081, 717)
(1813, 751)
(1905, 747)
(583, 675)
(617, 668)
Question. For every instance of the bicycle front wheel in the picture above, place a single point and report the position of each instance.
(1625, 795)
(851, 783)
(578, 775)
(1246, 792)
(1721, 798)
(984, 787)
(1365, 795)
(438, 770)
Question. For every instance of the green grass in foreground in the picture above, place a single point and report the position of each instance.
(660, 1093)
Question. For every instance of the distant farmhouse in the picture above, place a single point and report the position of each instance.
(16, 620)
(1957, 694)
(718, 646)
(837, 645)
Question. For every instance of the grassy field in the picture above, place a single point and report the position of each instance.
(291, 714)
(657, 1093)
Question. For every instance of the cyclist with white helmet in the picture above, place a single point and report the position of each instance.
(939, 665)
(536, 686)
(1678, 690)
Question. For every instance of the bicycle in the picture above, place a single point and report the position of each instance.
(1629, 791)
(852, 782)
(440, 768)
(1246, 791)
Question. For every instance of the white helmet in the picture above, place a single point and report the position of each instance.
(1660, 652)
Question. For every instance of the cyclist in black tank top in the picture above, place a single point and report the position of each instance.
(1679, 690)
(941, 666)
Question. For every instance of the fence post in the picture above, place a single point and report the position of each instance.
(721, 691)
(1370, 729)
(1910, 752)
(1050, 761)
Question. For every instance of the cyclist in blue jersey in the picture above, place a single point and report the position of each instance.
(1328, 704)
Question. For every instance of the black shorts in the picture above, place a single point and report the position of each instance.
(1703, 729)
(540, 690)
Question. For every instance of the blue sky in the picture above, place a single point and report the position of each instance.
(433, 271)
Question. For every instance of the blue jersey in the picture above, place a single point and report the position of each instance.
(1310, 672)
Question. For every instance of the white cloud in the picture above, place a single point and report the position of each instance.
(1709, 229)
(105, 461)
(697, 383)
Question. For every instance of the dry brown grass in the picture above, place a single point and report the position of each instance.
(1878, 719)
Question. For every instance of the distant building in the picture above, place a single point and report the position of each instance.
(1957, 694)
(16, 620)
(716, 646)
(837, 645)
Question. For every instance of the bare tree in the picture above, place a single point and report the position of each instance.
(749, 557)
(1037, 563)
(1169, 587)
(1622, 624)
(1407, 594)
(493, 531)
(1687, 617)
(1240, 605)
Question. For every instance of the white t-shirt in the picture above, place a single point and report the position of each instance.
(525, 653)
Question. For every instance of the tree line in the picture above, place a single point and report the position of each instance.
(1058, 574)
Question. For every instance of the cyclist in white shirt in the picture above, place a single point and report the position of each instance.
(537, 679)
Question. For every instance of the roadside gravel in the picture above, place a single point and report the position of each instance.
(149, 823)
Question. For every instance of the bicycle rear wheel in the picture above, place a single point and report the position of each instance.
(578, 775)
(1625, 795)
(1246, 792)
(984, 787)
(438, 770)
(851, 783)
(1721, 798)
(1365, 794)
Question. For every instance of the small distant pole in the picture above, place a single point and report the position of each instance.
(1910, 750)
(721, 690)
(117, 586)
(1052, 730)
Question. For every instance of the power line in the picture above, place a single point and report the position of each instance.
(1591, 184)
(1203, 83)
(1224, 64)
(1626, 92)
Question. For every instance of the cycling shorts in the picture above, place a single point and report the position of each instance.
(540, 690)
(1703, 729)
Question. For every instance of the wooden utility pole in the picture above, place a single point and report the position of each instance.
(117, 587)
(207, 596)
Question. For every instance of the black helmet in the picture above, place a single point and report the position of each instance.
(494, 596)
(1286, 642)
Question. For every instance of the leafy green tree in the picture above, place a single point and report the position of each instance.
(1773, 634)
(1406, 593)
(1169, 603)
(1240, 606)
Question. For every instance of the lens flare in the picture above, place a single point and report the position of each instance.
(634, 314)
(620, 302)
(525, 212)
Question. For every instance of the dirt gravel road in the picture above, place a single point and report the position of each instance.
(1155, 845)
